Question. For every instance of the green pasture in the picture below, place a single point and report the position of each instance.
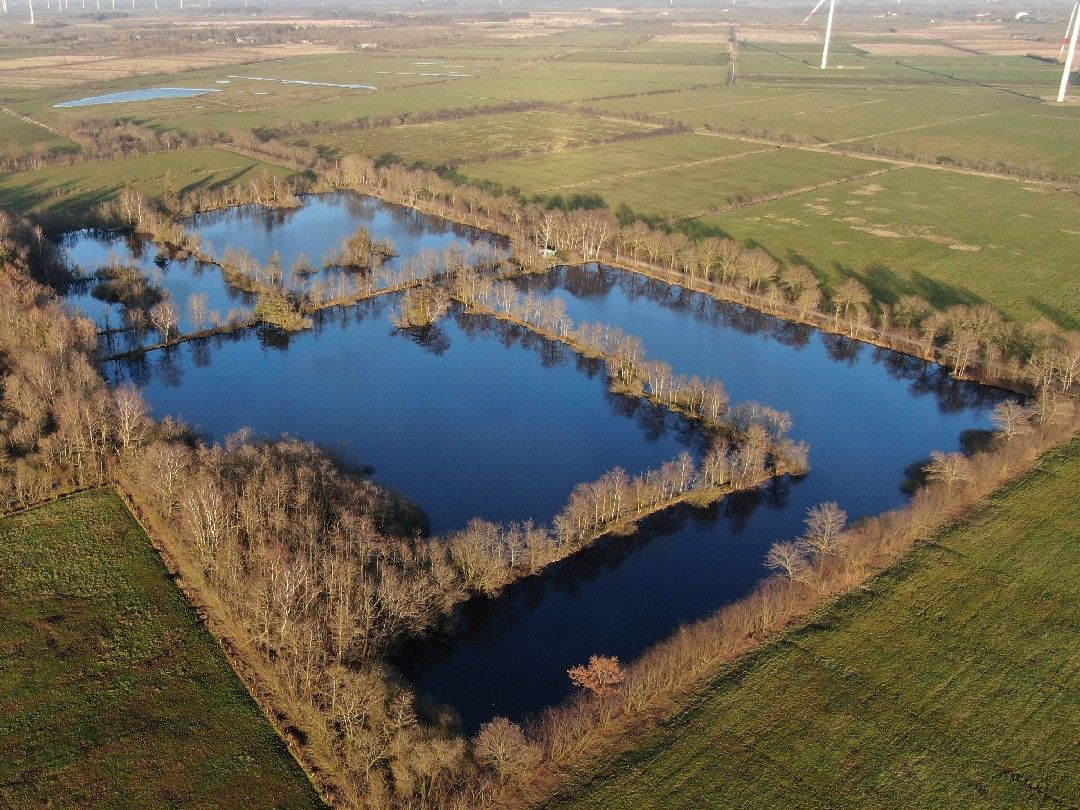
(952, 238)
(113, 693)
(71, 191)
(674, 184)
(480, 137)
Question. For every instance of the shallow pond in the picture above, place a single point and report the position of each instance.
(315, 229)
(90, 250)
(480, 419)
(146, 94)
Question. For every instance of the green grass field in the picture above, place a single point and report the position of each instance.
(951, 681)
(17, 137)
(75, 190)
(112, 692)
(949, 237)
(599, 163)
(677, 176)
(692, 190)
(480, 137)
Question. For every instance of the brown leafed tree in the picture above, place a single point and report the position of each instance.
(601, 676)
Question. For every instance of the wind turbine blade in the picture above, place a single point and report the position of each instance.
(1069, 60)
(814, 10)
(1068, 28)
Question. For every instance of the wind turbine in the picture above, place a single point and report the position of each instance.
(31, 12)
(828, 29)
(1069, 59)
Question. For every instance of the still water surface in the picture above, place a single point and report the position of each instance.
(146, 94)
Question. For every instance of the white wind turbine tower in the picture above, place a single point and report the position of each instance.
(828, 29)
(1069, 58)
(31, 12)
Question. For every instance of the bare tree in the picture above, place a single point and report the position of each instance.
(948, 468)
(824, 526)
(1011, 419)
(164, 318)
(789, 559)
(502, 746)
(199, 309)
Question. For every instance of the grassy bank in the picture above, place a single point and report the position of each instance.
(951, 680)
(74, 191)
(112, 692)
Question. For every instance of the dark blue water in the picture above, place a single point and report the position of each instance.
(467, 422)
(146, 94)
(868, 415)
(481, 419)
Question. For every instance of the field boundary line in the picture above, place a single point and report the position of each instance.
(912, 129)
(28, 120)
(791, 192)
(914, 164)
(657, 170)
(737, 103)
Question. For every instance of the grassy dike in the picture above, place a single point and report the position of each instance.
(112, 692)
(951, 680)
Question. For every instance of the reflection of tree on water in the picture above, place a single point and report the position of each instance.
(273, 337)
(842, 349)
(594, 280)
(655, 421)
(168, 368)
(200, 353)
(432, 339)
(482, 621)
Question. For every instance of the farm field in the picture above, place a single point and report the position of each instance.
(1043, 142)
(684, 192)
(18, 136)
(110, 677)
(952, 238)
(659, 177)
(72, 190)
(484, 136)
(582, 167)
(950, 681)
(969, 125)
